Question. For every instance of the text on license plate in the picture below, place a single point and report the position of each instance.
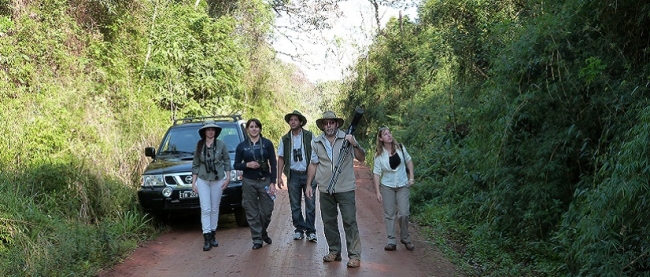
(187, 194)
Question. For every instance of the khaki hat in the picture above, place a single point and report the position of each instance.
(302, 118)
(209, 124)
(329, 115)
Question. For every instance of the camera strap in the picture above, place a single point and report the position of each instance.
(250, 144)
(211, 149)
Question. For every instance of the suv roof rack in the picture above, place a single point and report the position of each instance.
(234, 117)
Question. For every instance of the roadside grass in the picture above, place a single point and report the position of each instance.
(477, 252)
(56, 222)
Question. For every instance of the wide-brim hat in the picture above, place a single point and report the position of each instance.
(328, 115)
(302, 118)
(209, 124)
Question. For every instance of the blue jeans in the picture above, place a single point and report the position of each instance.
(297, 186)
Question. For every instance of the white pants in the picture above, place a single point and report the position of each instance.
(210, 197)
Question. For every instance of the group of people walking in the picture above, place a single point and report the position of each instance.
(308, 162)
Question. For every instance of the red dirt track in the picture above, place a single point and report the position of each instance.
(179, 252)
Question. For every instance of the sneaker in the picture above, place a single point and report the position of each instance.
(297, 236)
(312, 237)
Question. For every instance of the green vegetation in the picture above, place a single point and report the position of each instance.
(528, 121)
(85, 86)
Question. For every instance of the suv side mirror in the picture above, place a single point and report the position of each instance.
(150, 152)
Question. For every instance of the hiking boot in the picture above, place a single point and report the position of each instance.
(390, 247)
(332, 257)
(409, 245)
(206, 241)
(354, 263)
(213, 241)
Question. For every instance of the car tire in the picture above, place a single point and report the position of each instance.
(240, 217)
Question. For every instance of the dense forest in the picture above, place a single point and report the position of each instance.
(528, 121)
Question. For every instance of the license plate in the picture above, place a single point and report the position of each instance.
(187, 194)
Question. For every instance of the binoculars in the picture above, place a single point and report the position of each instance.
(209, 165)
(297, 155)
(264, 167)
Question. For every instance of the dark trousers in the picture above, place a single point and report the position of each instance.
(297, 186)
(258, 206)
(329, 207)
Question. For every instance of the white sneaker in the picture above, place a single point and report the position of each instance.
(312, 237)
(297, 236)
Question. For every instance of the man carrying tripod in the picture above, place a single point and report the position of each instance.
(330, 156)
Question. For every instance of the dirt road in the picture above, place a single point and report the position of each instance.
(179, 252)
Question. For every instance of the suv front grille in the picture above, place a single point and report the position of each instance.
(178, 179)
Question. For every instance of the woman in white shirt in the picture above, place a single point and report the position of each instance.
(393, 176)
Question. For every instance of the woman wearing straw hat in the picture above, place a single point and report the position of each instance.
(210, 176)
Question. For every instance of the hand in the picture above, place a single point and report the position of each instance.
(194, 189)
(280, 183)
(253, 164)
(379, 197)
(225, 184)
(309, 192)
(410, 182)
(272, 189)
(351, 140)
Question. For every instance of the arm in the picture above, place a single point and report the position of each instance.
(409, 165)
(359, 153)
(280, 164)
(375, 177)
(196, 163)
(225, 156)
(280, 167)
(239, 157)
(311, 172)
(376, 170)
(273, 164)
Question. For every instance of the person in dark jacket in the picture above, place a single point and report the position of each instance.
(293, 155)
(210, 176)
(255, 157)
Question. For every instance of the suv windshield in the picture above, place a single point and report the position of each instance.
(183, 140)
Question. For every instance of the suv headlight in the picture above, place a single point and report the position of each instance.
(152, 181)
(236, 175)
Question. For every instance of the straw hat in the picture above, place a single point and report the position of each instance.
(328, 115)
